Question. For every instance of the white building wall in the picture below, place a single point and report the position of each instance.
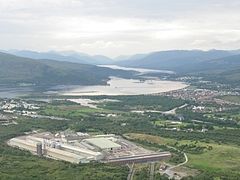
(22, 144)
(63, 155)
(95, 155)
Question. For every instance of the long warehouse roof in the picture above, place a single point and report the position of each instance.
(103, 143)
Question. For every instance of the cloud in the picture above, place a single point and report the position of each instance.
(114, 27)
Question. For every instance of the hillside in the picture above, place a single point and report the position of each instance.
(14, 70)
(176, 60)
(225, 70)
(216, 65)
(221, 64)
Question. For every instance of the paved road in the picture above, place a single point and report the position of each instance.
(170, 172)
(181, 164)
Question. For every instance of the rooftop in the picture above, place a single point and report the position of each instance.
(103, 143)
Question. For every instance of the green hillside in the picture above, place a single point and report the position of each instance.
(224, 70)
(15, 70)
(215, 65)
(175, 60)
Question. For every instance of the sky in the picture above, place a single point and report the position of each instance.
(119, 27)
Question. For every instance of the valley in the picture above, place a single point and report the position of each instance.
(119, 90)
(200, 133)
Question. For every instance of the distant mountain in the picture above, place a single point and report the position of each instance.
(221, 64)
(216, 65)
(176, 60)
(69, 56)
(129, 58)
(96, 59)
(122, 58)
(225, 70)
(100, 59)
(15, 70)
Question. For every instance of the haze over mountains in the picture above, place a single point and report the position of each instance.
(69, 56)
(73, 67)
(164, 60)
(175, 59)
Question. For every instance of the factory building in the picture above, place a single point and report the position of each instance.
(23, 144)
(91, 155)
(102, 148)
(65, 156)
(103, 144)
(55, 150)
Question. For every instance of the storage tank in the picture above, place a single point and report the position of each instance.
(39, 149)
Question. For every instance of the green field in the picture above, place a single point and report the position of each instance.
(70, 111)
(142, 102)
(220, 160)
(224, 158)
(234, 99)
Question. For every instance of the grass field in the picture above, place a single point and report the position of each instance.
(221, 159)
(71, 111)
(150, 138)
(234, 99)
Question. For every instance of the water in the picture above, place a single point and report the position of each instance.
(140, 70)
(115, 86)
(14, 92)
(120, 86)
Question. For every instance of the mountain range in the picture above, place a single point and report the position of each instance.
(73, 67)
(216, 65)
(176, 60)
(15, 70)
(69, 56)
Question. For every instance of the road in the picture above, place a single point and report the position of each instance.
(170, 172)
(181, 164)
(173, 111)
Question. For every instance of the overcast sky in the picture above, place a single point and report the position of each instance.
(116, 27)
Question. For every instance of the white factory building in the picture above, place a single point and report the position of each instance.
(55, 150)
(83, 148)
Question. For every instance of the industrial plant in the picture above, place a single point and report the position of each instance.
(77, 147)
